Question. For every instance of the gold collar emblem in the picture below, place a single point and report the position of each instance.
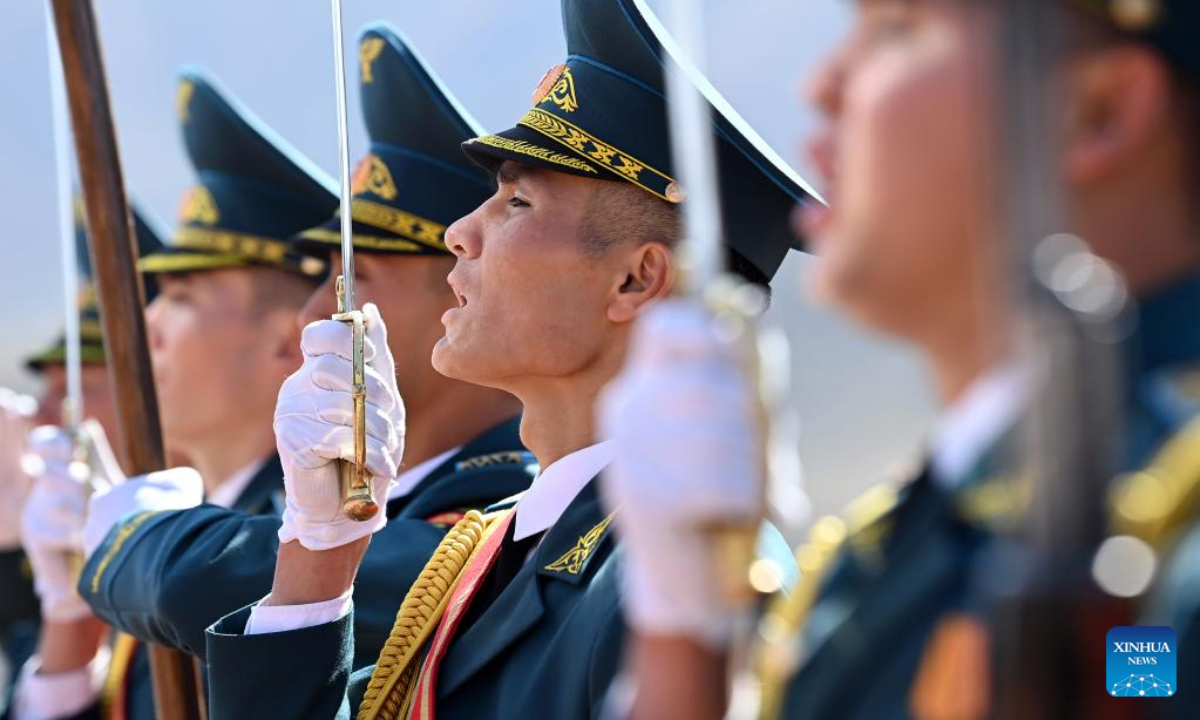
(575, 558)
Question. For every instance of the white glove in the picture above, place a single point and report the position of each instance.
(16, 413)
(313, 428)
(175, 489)
(53, 516)
(680, 417)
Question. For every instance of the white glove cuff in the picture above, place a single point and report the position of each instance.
(67, 694)
(679, 597)
(324, 535)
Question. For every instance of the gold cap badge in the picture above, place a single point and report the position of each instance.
(367, 52)
(558, 86)
(373, 176)
(199, 207)
(183, 98)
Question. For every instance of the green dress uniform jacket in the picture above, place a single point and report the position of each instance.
(890, 584)
(173, 574)
(547, 646)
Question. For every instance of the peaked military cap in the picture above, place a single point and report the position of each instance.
(1173, 26)
(91, 336)
(253, 190)
(414, 181)
(603, 114)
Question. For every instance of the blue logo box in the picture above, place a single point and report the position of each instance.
(1141, 662)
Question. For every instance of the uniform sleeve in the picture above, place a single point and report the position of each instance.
(298, 675)
(165, 577)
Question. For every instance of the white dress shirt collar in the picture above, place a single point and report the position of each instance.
(408, 480)
(227, 493)
(556, 486)
(988, 408)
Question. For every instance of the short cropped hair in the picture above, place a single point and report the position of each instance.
(619, 212)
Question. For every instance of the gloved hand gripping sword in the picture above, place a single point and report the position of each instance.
(358, 499)
(736, 306)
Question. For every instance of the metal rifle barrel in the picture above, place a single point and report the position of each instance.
(1050, 616)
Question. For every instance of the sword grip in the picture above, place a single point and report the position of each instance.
(357, 492)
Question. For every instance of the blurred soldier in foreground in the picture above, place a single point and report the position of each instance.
(168, 578)
(886, 623)
(223, 332)
(551, 270)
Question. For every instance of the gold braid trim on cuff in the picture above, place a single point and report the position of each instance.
(390, 690)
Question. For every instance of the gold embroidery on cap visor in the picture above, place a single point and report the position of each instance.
(406, 225)
(416, 233)
(363, 242)
(219, 249)
(534, 151)
(583, 143)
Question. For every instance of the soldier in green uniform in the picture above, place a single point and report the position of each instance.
(230, 291)
(20, 609)
(166, 578)
(551, 270)
(887, 620)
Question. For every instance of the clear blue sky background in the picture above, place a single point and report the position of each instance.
(864, 403)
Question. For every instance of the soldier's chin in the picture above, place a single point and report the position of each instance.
(455, 361)
(446, 359)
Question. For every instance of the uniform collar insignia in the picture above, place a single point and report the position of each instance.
(575, 560)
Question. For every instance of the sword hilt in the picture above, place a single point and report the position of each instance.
(736, 307)
(357, 492)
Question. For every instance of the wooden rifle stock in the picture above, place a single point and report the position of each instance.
(177, 694)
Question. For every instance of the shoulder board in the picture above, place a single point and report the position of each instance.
(508, 457)
(1153, 503)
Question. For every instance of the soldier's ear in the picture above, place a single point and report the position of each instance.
(650, 274)
(1118, 107)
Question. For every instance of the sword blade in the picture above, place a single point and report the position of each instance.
(73, 404)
